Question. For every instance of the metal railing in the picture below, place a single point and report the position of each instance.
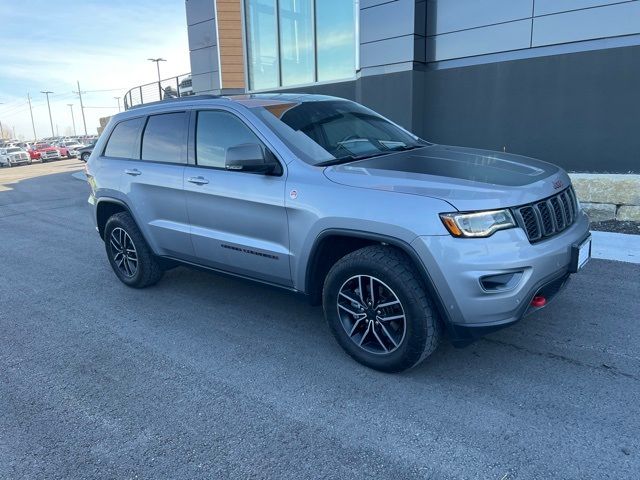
(173, 87)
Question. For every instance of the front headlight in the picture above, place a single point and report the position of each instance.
(477, 224)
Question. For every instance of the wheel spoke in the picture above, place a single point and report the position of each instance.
(388, 319)
(125, 267)
(371, 294)
(115, 246)
(375, 334)
(360, 289)
(355, 325)
(351, 311)
(130, 267)
(366, 332)
(115, 243)
(387, 304)
(388, 335)
(352, 300)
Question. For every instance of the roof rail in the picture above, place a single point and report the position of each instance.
(177, 100)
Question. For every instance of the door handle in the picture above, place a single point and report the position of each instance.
(198, 180)
(134, 172)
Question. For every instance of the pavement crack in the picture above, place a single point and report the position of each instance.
(556, 356)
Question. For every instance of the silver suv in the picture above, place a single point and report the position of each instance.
(401, 240)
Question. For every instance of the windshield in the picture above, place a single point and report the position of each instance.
(339, 130)
(43, 145)
(13, 150)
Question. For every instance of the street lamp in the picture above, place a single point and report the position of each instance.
(49, 107)
(118, 99)
(157, 62)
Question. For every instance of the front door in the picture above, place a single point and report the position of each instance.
(238, 219)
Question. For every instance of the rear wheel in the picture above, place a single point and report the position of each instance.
(377, 309)
(129, 255)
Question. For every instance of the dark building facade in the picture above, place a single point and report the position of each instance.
(556, 80)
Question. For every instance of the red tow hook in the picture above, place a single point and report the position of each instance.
(538, 301)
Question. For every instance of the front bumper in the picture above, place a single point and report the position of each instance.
(457, 267)
(19, 161)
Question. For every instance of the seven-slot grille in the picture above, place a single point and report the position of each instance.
(548, 217)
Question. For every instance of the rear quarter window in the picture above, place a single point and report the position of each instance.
(165, 138)
(124, 139)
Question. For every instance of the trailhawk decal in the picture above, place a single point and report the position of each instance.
(251, 252)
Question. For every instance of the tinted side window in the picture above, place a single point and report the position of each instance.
(216, 132)
(123, 139)
(165, 138)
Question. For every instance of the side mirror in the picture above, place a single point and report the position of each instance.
(250, 157)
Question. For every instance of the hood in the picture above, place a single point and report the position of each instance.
(467, 178)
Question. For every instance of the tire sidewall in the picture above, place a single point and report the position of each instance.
(412, 346)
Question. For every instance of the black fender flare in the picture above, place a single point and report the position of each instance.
(383, 239)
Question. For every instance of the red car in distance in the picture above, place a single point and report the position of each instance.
(45, 152)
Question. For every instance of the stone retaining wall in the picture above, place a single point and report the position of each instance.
(608, 196)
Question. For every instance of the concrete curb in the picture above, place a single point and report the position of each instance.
(621, 247)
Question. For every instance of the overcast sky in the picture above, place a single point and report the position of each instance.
(48, 45)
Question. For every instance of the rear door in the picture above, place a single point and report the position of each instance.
(152, 152)
(238, 219)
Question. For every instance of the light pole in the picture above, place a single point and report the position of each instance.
(35, 137)
(1, 129)
(73, 121)
(118, 99)
(79, 93)
(47, 92)
(157, 62)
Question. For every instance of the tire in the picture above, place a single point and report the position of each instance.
(397, 346)
(125, 233)
(84, 157)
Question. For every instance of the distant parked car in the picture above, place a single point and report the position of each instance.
(85, 152)
(12, 156)
(71, 147)
(47, 152)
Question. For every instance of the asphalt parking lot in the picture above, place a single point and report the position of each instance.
(206, 377)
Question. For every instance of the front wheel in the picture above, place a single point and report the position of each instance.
(378, 311)
(129, 255)
(84, 157)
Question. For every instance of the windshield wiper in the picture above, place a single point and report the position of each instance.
(404, 148)
(349, 158)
